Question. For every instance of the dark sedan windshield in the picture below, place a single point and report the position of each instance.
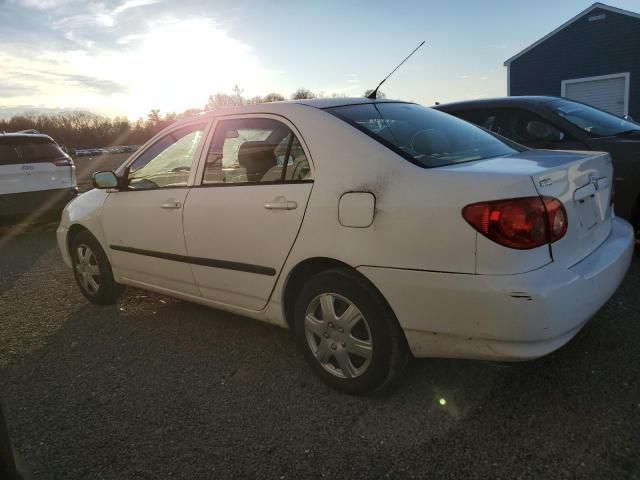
(422, 135)
(593, 121)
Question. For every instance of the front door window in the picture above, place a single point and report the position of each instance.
(167, 163)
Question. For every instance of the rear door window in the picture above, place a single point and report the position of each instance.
(485, 118)
(255, 150)
(523, 126)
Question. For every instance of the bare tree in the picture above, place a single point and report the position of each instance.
(221, 100)
(379, 93)
(273, 97)
(302, 93)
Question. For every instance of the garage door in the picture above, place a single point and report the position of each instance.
(606, 93)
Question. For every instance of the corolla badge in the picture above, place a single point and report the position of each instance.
(546, 182)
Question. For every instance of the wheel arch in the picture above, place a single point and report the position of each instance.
(77, 228)
(74, 230)
(306, 269)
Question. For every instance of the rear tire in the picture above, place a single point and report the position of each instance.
(92, 270)
(348, 333)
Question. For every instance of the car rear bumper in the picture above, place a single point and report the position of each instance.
(35, 203)
(504, 317)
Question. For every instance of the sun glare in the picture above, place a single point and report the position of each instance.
(178, 64)
(173, 66)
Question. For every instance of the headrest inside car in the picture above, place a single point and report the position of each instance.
(256, 158)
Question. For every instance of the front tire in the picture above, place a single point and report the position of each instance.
(348, 333)
(92, 270)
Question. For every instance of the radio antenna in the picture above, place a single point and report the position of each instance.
(372, 95)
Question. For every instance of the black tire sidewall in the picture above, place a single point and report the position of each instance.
(381, 320)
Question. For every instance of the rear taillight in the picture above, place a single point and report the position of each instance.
(556, 217)
(62, 162)
(520, 223)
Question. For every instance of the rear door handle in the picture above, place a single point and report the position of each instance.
(171, 205)
(284, 205)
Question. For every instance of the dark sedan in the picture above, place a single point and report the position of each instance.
(562, 124)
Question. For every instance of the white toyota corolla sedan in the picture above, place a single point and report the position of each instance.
(372, 229)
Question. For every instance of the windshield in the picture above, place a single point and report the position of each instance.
(422, 135)
(596, 123)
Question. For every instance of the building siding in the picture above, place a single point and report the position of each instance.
(582, 49)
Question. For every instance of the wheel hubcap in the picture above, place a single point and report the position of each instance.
(338, 335)
(87, 269)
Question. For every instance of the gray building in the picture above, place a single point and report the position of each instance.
(594, 58)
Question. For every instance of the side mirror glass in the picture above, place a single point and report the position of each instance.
(544, 131)
(105, 180)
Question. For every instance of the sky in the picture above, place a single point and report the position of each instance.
(126, 57)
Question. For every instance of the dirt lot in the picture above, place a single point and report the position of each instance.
(159, 388)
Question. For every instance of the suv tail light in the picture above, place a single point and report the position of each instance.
(62, 162)
(520, 223)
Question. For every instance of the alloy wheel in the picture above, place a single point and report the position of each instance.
(338, 335)
(87, 269)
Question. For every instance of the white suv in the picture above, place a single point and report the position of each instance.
(36, 177)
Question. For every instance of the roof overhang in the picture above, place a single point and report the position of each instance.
(569, 22)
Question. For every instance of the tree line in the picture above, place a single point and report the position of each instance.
(77, 130)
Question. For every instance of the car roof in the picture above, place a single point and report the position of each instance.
(24, 136)
(497, 102)
(281, 107)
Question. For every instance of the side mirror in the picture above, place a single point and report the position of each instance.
(544, 131)
(104, 180)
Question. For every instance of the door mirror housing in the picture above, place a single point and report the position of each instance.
(104, 180)
(543, 131)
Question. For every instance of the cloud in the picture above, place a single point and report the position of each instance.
(9, 90)
(98, 85)
(40, 4)
(129, 4)
(121, 56)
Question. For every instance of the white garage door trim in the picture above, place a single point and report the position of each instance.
(625, 75)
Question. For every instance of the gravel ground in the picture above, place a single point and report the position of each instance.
(159, 388)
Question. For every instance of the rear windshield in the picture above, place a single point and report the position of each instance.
(40, 152)
(28, 150)
(422, 135)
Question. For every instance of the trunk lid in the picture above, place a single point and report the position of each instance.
(582, 181)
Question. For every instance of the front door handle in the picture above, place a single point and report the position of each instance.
(171, 204)
(281, 205)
